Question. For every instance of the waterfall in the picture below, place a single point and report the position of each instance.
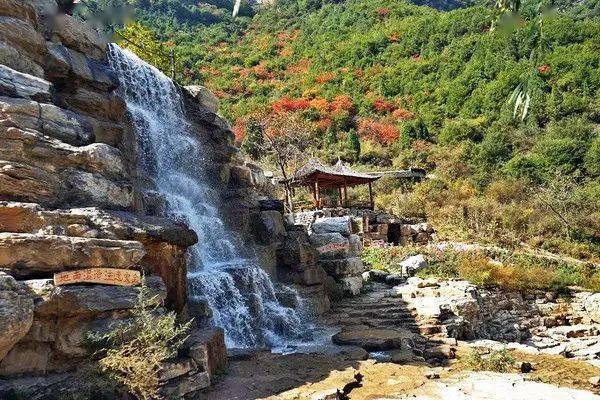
(241, 295)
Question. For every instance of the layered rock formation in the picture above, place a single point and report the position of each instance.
(72, 197)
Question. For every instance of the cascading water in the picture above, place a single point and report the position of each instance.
(241, 295)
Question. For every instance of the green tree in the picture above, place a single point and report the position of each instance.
(592, 158)
(354, 143)
(254, 141)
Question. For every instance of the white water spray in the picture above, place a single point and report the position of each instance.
(241, 295)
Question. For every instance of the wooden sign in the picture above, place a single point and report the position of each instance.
(105, 276)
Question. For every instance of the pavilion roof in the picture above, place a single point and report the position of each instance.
(337, 175)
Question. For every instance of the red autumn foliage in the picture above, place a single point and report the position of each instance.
(320, 104)
(341, 102)
(261, 71)
(286, 104)
(380, 105)
(326, 77)
(543, 69)
(324, 123)
(378, 131)
(239, 130)
(383, 12)
(393, 38)
(403, 114)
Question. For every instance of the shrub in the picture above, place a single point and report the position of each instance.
(133, 352)
(496, 361)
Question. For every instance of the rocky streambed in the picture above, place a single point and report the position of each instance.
(414, 340)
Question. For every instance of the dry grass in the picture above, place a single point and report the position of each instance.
(555, 370)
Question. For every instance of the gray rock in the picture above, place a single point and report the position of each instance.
(592, 307)
(268, 227)
(27, 254)
(343, 267)
(78, 300)
(78, 35)
(356, 245)
(204, 97)
(413, 264)
(330, 245)
(16, 313)
(18, 84)
(350, 286)
(340, 225)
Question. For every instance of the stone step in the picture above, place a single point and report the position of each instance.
(29, 255)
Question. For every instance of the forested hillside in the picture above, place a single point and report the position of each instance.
(387, 84)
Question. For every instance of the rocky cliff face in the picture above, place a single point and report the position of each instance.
(71, 197)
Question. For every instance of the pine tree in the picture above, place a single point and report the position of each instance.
(254, 142)
(354, 143)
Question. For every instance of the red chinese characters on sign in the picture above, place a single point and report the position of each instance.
(105, 276)
(332, 247)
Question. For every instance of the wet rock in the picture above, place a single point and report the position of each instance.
(16, 313)
(268, 227)
(18, 84)
(340, 225)
(372, 339)
(26, 254)
(394, 279)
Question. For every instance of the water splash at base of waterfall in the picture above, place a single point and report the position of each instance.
(241, 295)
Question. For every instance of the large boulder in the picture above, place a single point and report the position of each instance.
(54, 155)
(88, 300)
(413, 264)
(343, 267)
(18, 9)
(16, 313)
(46, 118)
(592, 307)
(18, 84)
(341, 225)
(268, 227)
(204, 97)
(330, 245)
(78, 35)
(25, 254)
(22, 36)
(296, 253)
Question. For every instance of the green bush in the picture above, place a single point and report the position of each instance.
(496, 361)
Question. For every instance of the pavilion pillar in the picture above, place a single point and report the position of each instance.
(317, 194)
(345, 194)
(314, 192)
(340, 199)
(371, 196)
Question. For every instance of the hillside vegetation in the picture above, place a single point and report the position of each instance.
(419, 87)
